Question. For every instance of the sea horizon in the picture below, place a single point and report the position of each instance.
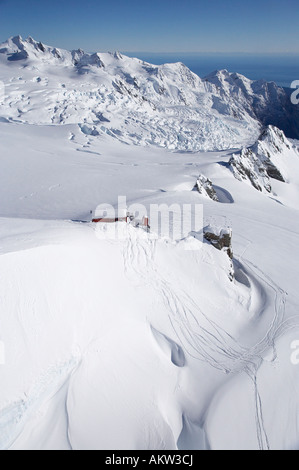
(282, 69)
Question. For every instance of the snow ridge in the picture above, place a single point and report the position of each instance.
(265, 160)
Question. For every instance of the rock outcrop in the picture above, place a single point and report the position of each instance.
(263, 161)
(220, 239)
(205, 187)
(246, 166)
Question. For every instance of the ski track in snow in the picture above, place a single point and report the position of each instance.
(109, 99)
(212, 344)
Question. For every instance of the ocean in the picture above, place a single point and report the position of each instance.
(282, 69)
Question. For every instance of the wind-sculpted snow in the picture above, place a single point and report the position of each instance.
(113, 336)
(133, 101)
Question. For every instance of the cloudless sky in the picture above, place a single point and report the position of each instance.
(269, 26)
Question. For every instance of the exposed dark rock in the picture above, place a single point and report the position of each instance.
(246, 166)
(56, 53)
(81, 60)
(117, 55)
(265, 101)
(260, 162)
(274, 172)
(41, 47)
(205, 187)
(220, 239)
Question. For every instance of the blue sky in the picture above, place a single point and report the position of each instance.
(156, 25)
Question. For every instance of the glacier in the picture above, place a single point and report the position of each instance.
(142, 343)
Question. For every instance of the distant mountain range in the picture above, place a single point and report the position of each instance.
(137, 102)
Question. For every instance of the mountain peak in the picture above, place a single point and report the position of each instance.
(273, 140)
(16, 39)
(16, 48)
(117, 55)
(272, 133)
(31, 40)
(213, 113)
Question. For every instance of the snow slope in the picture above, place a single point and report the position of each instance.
(138, 343)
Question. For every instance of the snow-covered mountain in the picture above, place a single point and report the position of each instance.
(266, 102)
(143, 341)
(136, 102)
